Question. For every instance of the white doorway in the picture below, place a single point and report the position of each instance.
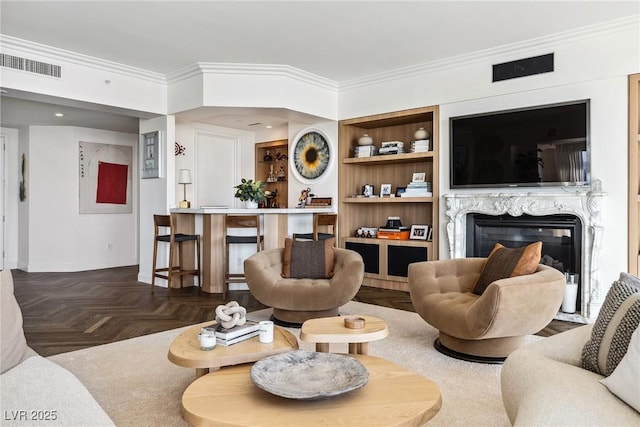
(215, 169)
(3, 175)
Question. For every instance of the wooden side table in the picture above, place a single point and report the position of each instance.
(326, 330)
(393, 396)
(185, 350)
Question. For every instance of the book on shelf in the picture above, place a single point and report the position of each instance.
(365, 151)
(236, 331)
(417, 194)
(231, 341)
(419, 146)
(393, 235)
(390, 230)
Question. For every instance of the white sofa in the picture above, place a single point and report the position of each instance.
(543, 384)
(33, 390)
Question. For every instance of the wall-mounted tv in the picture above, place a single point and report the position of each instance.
(546, 145)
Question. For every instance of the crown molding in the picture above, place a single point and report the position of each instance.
(54, 54)
(205, 68)
(549, 42)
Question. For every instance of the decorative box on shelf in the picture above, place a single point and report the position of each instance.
(320, 201)
(393, 234)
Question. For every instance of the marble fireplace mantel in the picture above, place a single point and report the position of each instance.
(585, 204)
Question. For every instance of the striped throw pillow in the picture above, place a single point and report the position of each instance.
(618, 319)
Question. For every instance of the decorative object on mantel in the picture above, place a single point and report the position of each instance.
(310, 154)
(231, 314)
(250, 191)
(184, 178)
(306, 375)
(180, 149)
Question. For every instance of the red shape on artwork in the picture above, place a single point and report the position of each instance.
(112, 183)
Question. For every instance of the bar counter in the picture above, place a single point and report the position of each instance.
(275, 229)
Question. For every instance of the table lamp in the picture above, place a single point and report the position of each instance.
(184, 178)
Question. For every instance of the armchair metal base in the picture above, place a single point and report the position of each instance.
(466, 357)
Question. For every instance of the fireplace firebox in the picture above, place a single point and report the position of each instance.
(561, 237)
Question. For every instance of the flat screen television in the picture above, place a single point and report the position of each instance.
(546, 145)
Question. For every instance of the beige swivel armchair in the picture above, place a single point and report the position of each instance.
(296, 300)
(488, 327)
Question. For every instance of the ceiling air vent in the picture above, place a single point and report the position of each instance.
(30, 65)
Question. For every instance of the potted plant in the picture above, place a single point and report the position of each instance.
(251, 192)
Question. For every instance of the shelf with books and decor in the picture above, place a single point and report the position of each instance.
(402, 182)
(272, 168)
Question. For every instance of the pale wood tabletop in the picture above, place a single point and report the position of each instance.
(393, 396)
(326, 330)
(185, 350)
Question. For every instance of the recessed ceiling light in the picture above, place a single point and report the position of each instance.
(59, 115)
(268, 126)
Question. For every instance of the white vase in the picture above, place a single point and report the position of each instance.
(251, 204)
(421, 133)
(365, 140)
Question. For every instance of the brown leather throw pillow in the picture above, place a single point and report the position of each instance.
(308, 259)
(508, 262)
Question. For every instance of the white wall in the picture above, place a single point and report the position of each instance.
(60, 239)
(156, 195)
(84, 78)
(11, 196)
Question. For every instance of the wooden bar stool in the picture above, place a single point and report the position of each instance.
(320, 220)
(243, 222)
(175, 240)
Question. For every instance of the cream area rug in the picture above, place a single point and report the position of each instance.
(137, 385)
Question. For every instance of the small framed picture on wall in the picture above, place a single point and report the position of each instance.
(151, 155)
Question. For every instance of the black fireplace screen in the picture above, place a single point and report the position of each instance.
(561, 237)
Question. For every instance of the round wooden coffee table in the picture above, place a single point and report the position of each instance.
(185, 350)
(326, 330)
(393, 396)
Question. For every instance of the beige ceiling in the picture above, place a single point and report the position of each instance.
(338, 40)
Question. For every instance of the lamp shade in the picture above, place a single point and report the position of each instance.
(184, 176)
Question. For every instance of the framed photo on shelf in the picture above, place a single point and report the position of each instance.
(418, 177)
(400, 190)
(151, 155)
(385, 190)
(419, 232)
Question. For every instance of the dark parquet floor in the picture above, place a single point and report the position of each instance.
(69, 311)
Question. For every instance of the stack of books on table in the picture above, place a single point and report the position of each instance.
(237, 334)
(365, 150)
(391, 147)
(418, 189)
(419, 146)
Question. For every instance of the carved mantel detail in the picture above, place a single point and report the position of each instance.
(586, 205)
